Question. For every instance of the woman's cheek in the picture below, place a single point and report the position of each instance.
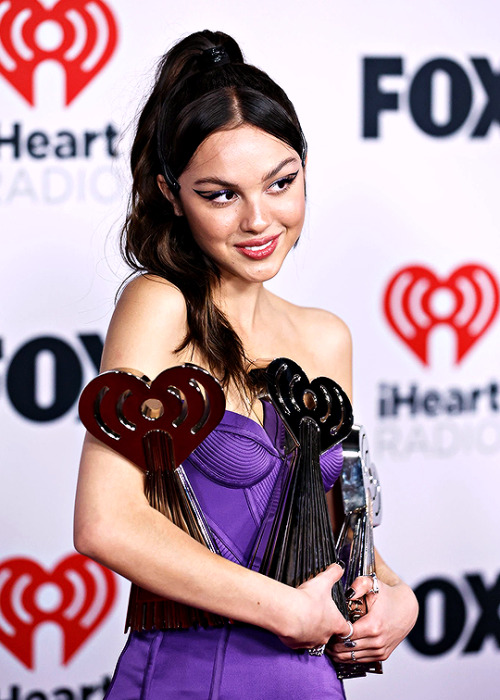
(212, 232)
(295, 218)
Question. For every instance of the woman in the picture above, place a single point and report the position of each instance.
(218, 201)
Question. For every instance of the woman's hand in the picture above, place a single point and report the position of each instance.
(392, 612)
(315, 617)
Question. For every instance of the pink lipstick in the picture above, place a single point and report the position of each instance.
(260, 248)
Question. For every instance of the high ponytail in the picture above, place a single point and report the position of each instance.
(193, 97)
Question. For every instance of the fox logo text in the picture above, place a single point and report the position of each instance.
(462, 85)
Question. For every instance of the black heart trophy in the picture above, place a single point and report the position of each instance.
(296, 540)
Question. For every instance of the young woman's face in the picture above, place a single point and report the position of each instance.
(243, 196)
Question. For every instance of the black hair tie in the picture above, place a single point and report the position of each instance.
(214, 57)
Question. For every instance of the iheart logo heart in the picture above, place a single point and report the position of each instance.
(416, 301)
(77, 596)
(81, 35)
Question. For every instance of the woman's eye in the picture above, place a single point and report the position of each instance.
(225, 196)
(220, 197)
(284, 182)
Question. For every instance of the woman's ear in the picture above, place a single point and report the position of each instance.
(166, 192)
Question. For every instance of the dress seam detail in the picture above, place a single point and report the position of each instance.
(150, 663)
(220, 656)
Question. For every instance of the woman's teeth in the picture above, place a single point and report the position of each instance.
(257, 247)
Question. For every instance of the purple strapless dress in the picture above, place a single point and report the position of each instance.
(232, 473)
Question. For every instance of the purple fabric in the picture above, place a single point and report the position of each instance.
(232, 473)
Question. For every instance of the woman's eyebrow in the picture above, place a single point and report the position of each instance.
(281, 165)
(212, 180)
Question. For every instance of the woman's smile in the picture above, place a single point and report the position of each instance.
(259, 249)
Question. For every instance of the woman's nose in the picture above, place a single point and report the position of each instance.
(255, 217)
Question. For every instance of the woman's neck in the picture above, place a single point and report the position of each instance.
(244, 304)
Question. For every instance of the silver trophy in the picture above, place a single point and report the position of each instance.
(361, 500)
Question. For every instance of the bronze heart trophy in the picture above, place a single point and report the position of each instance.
(156, 425)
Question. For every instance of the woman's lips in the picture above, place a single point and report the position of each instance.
(258, 249)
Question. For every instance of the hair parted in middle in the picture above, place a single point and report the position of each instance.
(202, 86)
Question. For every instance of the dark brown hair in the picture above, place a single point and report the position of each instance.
(189, 101)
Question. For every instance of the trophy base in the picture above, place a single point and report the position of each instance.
(355, 670)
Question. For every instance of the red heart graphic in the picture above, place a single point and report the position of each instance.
(471, 293)
(113, 407)
(84, 37)
(86, 592)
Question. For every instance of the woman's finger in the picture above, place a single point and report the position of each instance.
(355, 656)
(334, 573)
(325, 578)
(362, 586)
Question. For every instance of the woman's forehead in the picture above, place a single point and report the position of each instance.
(241, 149)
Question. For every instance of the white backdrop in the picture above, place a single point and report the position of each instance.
(402, 173)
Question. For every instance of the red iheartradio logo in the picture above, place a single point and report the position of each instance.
(416, 301)
(77, 596)
(80, 35)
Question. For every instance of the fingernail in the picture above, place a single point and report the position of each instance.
(341, 563)
(350, 593)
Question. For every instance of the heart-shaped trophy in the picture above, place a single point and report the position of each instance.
(156, 425)
(296, 540)
(316, 415)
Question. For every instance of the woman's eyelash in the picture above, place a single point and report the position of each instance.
(287, 180)
(211, 196)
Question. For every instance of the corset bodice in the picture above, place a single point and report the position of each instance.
(233, 472)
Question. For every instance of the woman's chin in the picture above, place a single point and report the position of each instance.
(254, 274)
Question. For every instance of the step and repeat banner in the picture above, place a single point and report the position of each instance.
(400, 103)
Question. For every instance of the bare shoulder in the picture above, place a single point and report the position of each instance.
(153, 293)
(329, 329)
(332, 333)
(323, 345)
(326, 325)
(148, 324)
(332, 355)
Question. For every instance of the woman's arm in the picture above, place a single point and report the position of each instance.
(115, 525)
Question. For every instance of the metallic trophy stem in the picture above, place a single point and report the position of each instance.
(361, 499)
